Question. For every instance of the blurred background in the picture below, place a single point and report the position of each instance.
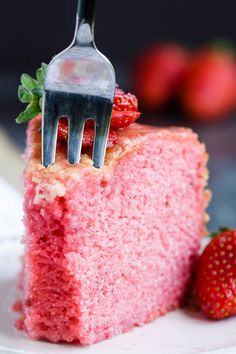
(125, 30)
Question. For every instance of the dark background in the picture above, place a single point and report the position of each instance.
(32, 32)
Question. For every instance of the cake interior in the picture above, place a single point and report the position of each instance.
(109, 249)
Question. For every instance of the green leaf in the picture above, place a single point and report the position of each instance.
(28, 82)
(32, 110)
(224, 228)
(213, 234)
(224, 45)
(44, 69)
(221, 229)
(31, 91)
(40, 75)
(41, 103)
(23, 95)
(37, 91)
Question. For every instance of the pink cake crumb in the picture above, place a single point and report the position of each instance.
(110, 249)
(17, 306)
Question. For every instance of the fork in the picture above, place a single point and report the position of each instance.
(79, 85)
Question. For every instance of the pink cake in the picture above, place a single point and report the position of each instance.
(110, 249)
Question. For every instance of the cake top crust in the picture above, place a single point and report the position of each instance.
(128, 139)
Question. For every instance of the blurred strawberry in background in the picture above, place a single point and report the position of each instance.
(202, 82)
(159, 73)
(209, 90)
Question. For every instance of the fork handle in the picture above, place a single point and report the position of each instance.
(84, 32)
(86, 11)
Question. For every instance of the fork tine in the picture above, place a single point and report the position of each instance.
(101, 132)
(49, 133)
(76, 127)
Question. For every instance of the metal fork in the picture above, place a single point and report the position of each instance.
(79, 84)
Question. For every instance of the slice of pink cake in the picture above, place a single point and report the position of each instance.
(110, 249)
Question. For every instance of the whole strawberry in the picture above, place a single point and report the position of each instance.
(209, 89)
(216, 277)
(159, 73)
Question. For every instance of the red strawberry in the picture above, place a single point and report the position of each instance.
(159, 73)
(88, 136)
(125, 112)
(216, 277)
(209, 90)
(125, 109)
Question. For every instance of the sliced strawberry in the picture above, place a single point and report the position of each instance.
(88, 136)
(119, 91)
(123, 119)
(125, 112)
(125, 109)
(63, 130)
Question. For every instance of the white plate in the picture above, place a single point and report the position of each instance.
(179, 332)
